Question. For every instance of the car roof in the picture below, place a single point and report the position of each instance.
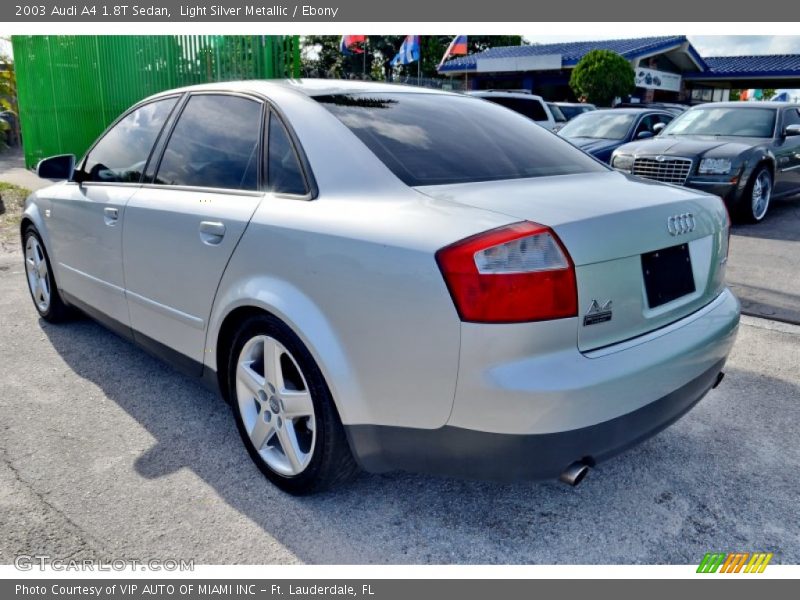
(511, 93)
(633, 111)
(305, 87)
(746, 104)
(574, 103)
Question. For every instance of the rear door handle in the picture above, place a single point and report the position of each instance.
(212, 232)
(110, 216)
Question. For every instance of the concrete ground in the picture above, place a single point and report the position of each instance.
(12, 170)
(105, 452)
(764, 263)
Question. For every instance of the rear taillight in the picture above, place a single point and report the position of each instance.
(516, 273)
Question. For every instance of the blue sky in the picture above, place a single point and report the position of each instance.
(707, 45)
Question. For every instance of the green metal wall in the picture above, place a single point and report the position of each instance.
(71, 87)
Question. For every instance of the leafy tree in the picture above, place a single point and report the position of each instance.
(601, 76)
(8, 99)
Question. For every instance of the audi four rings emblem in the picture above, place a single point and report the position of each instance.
(680, 224)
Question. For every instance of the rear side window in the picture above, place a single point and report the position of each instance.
(430, 139)
(531, 108)
(284, 174)
(120, 155)
(215, 143)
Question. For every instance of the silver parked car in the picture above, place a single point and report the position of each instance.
(390, 277)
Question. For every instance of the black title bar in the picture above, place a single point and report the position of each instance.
(453, 11)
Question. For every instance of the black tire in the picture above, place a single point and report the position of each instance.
(57, 311)
(745, 211)
(331, 460)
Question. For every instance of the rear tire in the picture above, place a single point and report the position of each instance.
(284, 410)
(754, 203)
(41, 283)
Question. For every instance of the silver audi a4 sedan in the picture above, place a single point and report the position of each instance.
(386, 277)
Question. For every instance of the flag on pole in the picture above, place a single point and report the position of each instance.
(409, 51)
(348, 44)
(457, 47)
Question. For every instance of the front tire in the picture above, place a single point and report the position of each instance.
(284, 410)
(41, 283)
(754, 204)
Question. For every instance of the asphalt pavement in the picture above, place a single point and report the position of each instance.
(764, 263)
(107, 453)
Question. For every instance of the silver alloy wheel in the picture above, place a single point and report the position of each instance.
(36, 269)
(762, 190)
(275, 405)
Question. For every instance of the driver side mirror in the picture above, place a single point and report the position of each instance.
(56, 167)
(658, 128)
(643, 135)
(791, 130)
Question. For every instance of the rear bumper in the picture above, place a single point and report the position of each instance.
(482, 455)
(624, 395)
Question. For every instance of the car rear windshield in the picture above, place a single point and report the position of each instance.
(530, 107)
(433, 139)
(607, 125)
(572, 111)
(724, 121)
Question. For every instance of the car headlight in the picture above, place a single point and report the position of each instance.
(714, 166)
(623, 162)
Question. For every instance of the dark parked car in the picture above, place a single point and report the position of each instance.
(600, 132)
(745, 152)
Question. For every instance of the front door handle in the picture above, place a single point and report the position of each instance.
(110, 216)
(212, 232)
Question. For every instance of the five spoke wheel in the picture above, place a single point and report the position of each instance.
(275, 404)
(36, 269)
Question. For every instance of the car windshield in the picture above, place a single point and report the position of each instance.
(432, 139)
(607, 125)
(724, 121)
(557, 114)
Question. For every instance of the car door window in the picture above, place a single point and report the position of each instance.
(121, 154)
(646, 124)
(284, 173)
(215, 143)
(791, 116)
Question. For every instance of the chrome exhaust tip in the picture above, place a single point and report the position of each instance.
(574, 473)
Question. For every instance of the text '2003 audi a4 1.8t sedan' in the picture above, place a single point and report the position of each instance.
(388, 277)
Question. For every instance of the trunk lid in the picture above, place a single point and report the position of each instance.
(608, 221)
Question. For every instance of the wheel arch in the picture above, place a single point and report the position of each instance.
(32, 217)
(264, 295)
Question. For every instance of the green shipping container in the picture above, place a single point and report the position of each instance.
(70, 88)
